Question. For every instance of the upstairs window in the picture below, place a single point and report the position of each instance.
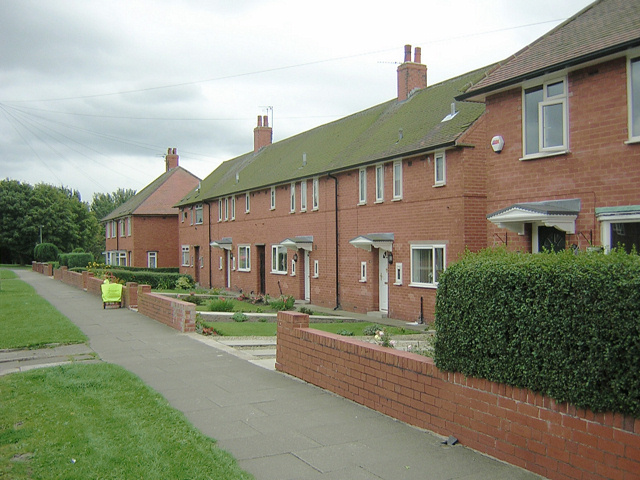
(397, 180)
(199, 215)
(362, 186)
(545, 118)
(634, 99)
(247, 202)
(226, 209)
(128, 226)
(273, 198)
(107, 229)
(303, 196)
(379, 183)
(315, 194)
(293, 198)
(121, 228)
(439, 161)
(220, 210)
(114, 229)
(233, 208)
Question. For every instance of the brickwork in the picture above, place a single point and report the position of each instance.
(174, 313)
(556, 440)
(44, 268)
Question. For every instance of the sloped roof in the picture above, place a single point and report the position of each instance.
(603, 28)
(365, 137)
(158, 197)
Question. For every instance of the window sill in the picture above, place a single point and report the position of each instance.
(360, 204)
(362, 281)
(538, 156)
(438, 185)
(632, 141)
(424, 285)
(244, 269)
(398, 284)
(396, 199)
(273, 272)
(314, 209)
(379, 201)
(315, 276)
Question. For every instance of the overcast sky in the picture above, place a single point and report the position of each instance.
(92, 93)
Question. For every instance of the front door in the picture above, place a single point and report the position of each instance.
(383, 281)
(551, 239)
(262, 269)
(228, 270)
(307, 277)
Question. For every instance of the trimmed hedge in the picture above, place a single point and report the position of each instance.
(75, 260)
(561, 324)
(46, 252)
(156, 280)
(146, 269)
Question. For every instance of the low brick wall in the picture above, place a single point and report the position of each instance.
(175, 313)
(70, 278)
(44, 268)
(516, 425)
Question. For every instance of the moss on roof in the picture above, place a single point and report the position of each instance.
(369, 136)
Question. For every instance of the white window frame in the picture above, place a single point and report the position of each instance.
(315, 194)
(380, 183)
(363, 272)
(186, 260)
(233, 207)
(397, 180)
(192, 216)
(303, 196)
(226, 209)
(247, 202)
(362, 186)
(128, 226)
(279, 259)
(107, 229)
(605, 228)
(292, 195)
(547, 101)
(293, 267)
(433, 248)
(439, 174)
(633, 98)
(114, 229)
(398, 276)
(199, 214)
(121, 225)
(244, 266)
(316, 269)
(121, 258)
(273, 198)
(220, 210)
(154, 256)
(220, 267)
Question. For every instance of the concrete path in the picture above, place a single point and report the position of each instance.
(276, 426)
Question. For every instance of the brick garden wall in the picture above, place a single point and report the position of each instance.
(515, 425)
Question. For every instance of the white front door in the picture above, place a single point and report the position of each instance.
(307, 277)
(383, 281)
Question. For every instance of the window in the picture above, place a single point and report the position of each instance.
(220, 210)
(114, 230)
(121, 222)
(121, 259)
(440, 169)
(233, 207)
(293, 267)
(362, 186)
(273, 198)
(293, 198)
(226, 209)
(247, 202)
(634, 98)
(199, 215)
(244, 258)
(191, 217)
(220, 268)
(278, 259)
(315, 194)
(128, 226)
(233, 263)
(316, 269)
(398, 278)
(397, 180)
(303, 196)
(107, 229)
(379, 183)
(545, 118)
(427, 262)
(363, 272)
(152, 259)
(185, 256)
(183, 215)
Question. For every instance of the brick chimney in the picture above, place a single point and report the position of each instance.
(262, 135)
(411, 75)
(171, 159)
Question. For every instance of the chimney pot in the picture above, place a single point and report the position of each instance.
(407, 53)
(265, 121)
(259, 120)
(418, 55)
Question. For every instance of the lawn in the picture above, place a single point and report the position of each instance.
(265, 329)
(29, 321)
(99, 421)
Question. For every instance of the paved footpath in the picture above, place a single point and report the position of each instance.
(276, 426)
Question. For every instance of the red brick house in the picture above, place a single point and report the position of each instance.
(143, 232)
(568, 109)
(362, 213)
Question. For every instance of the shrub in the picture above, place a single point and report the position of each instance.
(284, 302)
(561, 324)
(193, 299)
(239, 317)
(345, 333)
(306, 310)
(78, 250)
(220, 305)
(46, 252)
(371, 330)
(157, 280)
(76, 260)
(185, 283)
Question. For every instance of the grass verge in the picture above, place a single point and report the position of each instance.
(265, 329)
(27, 320)
(99, 421)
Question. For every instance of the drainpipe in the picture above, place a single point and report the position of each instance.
(335, 179)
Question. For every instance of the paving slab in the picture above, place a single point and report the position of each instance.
(278, 427)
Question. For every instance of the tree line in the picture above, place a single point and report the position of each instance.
(44, 213)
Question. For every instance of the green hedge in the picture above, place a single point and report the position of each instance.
(146, 269)
(75, 260)
(154, 279)
(561, 324)
(46, 252)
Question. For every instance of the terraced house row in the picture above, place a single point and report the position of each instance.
(540, 151)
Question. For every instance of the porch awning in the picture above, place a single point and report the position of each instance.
(560, 214)
(383, 241)
(294, 243)
(225, 243)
